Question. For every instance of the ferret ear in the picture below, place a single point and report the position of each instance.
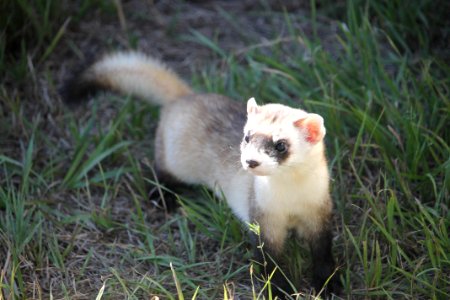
(312, 125)
(252, 107)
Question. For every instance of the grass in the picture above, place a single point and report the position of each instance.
(75, 218)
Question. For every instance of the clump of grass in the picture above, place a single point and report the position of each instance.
(26, 24)
(421, 29)
(386, 117)
(32, 30)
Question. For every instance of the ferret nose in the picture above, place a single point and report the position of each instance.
(252, 163)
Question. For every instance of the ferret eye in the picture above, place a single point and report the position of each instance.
(281, 146)
(247, 138)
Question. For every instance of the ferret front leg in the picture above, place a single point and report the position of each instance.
(323, 262)
(268, 250)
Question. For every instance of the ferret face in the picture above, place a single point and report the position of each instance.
(277, 137)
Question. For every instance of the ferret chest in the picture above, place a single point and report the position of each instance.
(289, 200)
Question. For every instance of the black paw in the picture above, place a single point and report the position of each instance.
(326, 287)
(164, 200)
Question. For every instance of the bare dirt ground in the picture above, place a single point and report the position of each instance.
(167, 29)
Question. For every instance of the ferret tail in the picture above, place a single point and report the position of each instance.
(128, 73)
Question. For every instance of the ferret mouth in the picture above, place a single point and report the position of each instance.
(257, 171)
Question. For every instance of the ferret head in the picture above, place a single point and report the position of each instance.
(278, 138)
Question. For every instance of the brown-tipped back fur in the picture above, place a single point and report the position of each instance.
(127, 73)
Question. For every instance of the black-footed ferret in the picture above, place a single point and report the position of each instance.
(267, 160)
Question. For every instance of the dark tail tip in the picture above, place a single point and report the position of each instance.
(76, 89)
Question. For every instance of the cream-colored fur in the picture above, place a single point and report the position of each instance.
(137, 74)
(295, 193)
